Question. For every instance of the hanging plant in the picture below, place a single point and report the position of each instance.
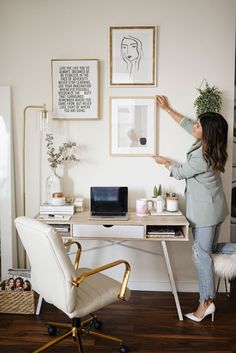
(208, 99)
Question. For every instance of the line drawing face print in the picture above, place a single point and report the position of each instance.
(131, 53)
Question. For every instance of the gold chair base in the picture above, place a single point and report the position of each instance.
(76, 333)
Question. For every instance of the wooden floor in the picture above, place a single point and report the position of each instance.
(148, 323)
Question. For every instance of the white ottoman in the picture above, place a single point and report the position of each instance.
(225, 267)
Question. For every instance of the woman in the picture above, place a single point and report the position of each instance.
(206, 206)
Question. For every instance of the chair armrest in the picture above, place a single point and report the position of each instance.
(124, 283)
(78, 252)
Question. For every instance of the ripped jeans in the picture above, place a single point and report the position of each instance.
(206, 243)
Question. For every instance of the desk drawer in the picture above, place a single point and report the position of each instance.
(103, 231)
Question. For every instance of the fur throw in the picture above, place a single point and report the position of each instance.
(225, 265)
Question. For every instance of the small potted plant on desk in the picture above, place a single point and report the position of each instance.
(159, 201)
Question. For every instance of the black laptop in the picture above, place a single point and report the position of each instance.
(109, 202)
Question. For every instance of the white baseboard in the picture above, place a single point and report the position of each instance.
(187, 287)
(163, 286)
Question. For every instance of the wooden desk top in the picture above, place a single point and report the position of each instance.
(167, 220)
(133, 219)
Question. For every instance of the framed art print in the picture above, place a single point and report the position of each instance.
(132, 126)
(75, 88)
(133, 56)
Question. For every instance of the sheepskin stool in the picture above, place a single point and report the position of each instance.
(225, 268)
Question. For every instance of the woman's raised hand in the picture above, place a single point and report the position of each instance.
(162, 102)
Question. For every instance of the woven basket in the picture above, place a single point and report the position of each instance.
(17, 302)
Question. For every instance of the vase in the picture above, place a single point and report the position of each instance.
(53, 184)
(160, 204)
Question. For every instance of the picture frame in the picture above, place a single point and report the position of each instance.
(75, 89)
(132, 126)
(132, 52)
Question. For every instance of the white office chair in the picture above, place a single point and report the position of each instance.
(76, 291)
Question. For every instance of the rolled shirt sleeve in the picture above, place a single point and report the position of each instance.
(193, 166)
(187, 125)
(195, 163)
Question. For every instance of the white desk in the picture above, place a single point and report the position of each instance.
(135, 228)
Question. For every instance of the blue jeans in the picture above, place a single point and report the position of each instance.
(206, 243)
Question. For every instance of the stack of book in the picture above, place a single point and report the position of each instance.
(164, 232)
(50, 212)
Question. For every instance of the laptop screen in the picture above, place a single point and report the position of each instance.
(108, 200)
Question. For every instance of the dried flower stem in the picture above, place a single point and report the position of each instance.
(62, 155)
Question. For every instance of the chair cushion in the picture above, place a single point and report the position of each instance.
(95, 292)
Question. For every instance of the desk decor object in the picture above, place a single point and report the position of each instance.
(159, 203)
(132, 126)
(166, 213)
(16, 294)
(157, 192)
(48, 212)
(75, 88)
(49, 209)
(164, 232)
(53, 184)
(58, 199)
(79, 204)
(133, 56)
(67, 152)
(51, 217)
(172, 203)
(142, 207)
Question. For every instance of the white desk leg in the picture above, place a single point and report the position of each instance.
(39, 305)
(171, 277)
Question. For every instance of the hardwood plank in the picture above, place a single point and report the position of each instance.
(148, 323)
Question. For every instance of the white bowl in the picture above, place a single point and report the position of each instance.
(58, 201)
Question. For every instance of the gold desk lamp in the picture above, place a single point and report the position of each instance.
(44, 119)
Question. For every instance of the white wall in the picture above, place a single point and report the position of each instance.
(195, 41)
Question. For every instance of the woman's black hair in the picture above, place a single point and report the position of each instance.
(214, 139)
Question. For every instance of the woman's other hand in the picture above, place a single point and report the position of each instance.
(159, 159)
(163, 102)
(162, 160)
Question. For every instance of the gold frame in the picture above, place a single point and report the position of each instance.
(152, 55)
(131, 151)
(94, 96)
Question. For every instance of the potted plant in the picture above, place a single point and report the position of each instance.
(208, 99)
(65, 153)
(157, 192)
